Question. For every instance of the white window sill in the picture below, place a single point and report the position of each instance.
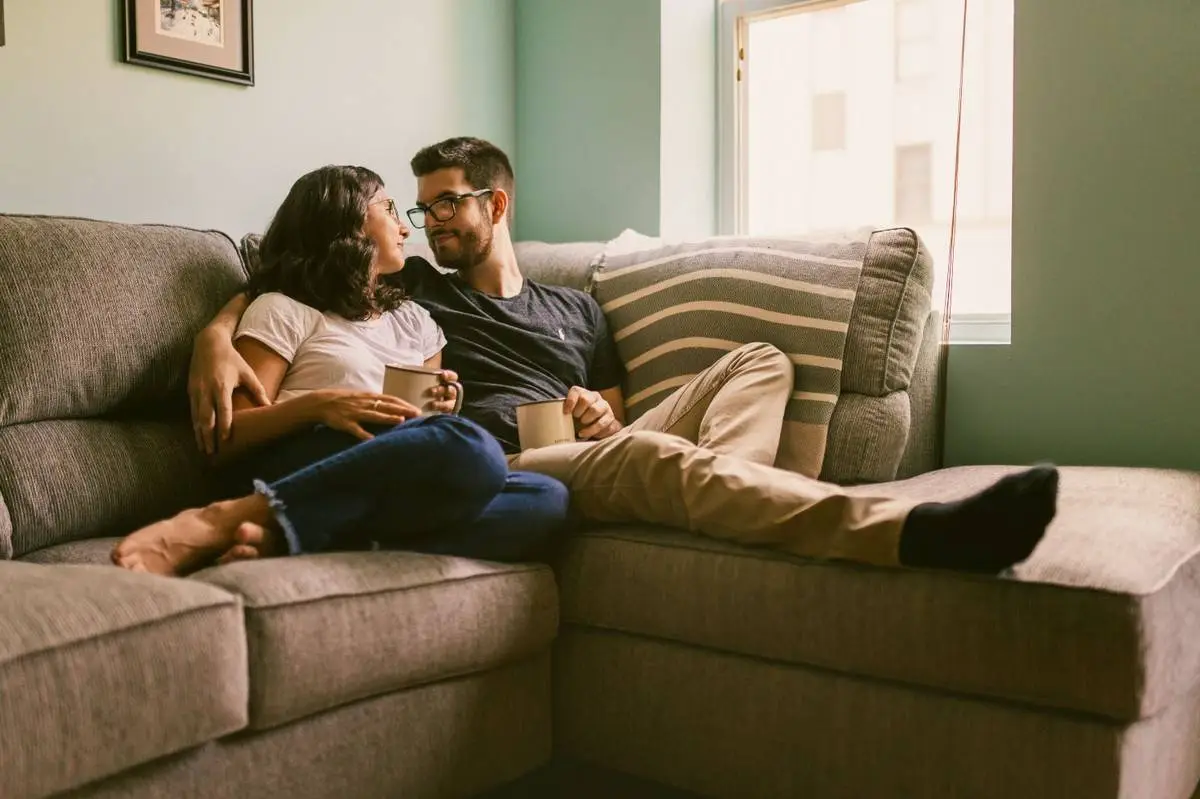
(980, 328)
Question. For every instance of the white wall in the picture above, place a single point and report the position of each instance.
(353, 81)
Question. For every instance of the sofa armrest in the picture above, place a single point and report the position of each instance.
(923, 452)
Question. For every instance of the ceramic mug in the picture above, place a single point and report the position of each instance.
(540, 424)
(415, 384)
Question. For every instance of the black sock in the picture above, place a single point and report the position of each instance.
(988, 532)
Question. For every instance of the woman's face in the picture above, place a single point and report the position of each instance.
(384, 227)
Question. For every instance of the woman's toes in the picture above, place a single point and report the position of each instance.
(237, 553)
(250, 534)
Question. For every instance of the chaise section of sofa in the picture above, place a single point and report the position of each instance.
(1077, 677)
(737, 672)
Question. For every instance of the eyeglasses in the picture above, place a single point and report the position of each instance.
(392, 210)
(442, 210)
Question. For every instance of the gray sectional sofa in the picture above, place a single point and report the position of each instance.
(724, 671)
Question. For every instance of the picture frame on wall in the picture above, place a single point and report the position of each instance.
(206, 38)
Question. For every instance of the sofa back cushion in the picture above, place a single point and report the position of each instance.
(96, 328)
(569, 264)
(872, 424)
(675, 310)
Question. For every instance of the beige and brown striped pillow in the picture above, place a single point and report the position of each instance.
(676, 310)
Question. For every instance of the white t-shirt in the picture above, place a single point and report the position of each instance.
(325, 350)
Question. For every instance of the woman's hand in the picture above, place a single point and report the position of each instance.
(348, 411)
(445, 396)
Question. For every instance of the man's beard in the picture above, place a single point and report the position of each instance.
(474, 247)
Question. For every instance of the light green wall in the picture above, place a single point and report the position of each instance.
(588, 118)
(1104, 366)
(367, 82)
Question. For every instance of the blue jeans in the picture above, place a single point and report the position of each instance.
(436, 484)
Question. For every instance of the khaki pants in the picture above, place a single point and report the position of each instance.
(702, 459)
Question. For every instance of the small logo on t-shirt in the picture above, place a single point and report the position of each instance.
(561, 334)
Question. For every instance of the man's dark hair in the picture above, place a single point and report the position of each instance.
(484, 165)
(315, 250)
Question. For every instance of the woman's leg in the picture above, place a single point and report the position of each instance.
(521, 523)
(421, 476)
(427, 474)
(280, 458)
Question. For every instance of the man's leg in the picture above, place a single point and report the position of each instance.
(735, 407)
(663, 479)
(653, 477)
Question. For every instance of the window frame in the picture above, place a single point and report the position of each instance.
(732, 119)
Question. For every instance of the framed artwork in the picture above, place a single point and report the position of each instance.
(208, 38)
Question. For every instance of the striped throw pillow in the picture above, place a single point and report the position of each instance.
(674, 311)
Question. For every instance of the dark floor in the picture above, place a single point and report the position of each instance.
(571, 780)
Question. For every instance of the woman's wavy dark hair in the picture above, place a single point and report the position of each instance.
(315, 250)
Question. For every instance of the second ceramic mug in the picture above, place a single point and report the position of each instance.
(540, 424)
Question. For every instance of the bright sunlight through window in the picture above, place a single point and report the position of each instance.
(849, 116)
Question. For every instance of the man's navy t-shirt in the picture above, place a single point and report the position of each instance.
(512, 350)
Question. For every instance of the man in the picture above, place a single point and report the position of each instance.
(701, 460)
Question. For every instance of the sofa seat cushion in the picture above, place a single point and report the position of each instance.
(1098, 620)
(102, 669)
(325, 630)
(96, 551)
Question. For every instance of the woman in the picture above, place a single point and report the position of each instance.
(335, 465)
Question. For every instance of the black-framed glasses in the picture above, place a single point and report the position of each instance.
(392, 209)
(442, 210)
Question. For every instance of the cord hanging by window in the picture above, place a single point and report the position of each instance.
(948, 299)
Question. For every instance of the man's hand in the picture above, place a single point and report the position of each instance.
(216, 371)
(593, 415)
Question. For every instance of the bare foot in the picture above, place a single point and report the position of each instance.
(184, 542)
(237, 553)
(253, 541)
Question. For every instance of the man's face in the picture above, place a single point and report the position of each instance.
(464, 240)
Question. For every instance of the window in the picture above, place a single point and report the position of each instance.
(913, 31)
(840, 113)
(829, 121)
(914, 184)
